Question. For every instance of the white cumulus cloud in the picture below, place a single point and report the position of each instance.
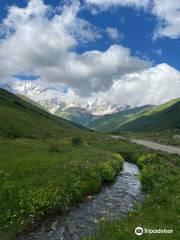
(41, 42)
(168, 14)
(155, 85)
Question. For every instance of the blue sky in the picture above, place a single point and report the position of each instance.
(142, 32)
(136, 26)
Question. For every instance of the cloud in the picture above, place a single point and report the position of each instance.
(108, 3)
(113, 33)
(168, 14)
(41, 41)
(155, 85)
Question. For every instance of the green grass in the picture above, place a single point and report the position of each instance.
(165, 117)
(111, 122)
(161, 180)
(22, 119)
(163, 106)
(76, 115)
(165, 137)
(27, 99)
(38, 178)
(48, 164)
(143, 119)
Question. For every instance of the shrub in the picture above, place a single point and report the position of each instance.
(76, 141)
(145, 159)
(119, 161)
(107, 172)
(148, 177)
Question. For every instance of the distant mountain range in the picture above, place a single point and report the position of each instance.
(103, 117)
(161, 118)
(51, 100)
(142, 119)
(112, 122)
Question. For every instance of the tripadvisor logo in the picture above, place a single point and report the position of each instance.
(139, 231)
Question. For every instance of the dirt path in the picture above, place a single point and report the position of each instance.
(152, 145)
(158, 146)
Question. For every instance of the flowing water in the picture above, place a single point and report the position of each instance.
(112, 203)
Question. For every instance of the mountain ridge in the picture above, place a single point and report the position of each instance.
(111, 122)
(20, 118)
(164, 117)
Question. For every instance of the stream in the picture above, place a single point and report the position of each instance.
(112, 203)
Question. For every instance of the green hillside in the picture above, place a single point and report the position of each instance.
(27, 99)
(161, 118)
(111, 122)
(46, 164)
(19, 118)
(80, 117)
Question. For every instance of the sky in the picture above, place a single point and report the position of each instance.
(121, 51)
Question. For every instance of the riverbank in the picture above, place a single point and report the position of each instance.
(161, 180)
(42, 177)
(112, 202)
(50, 176)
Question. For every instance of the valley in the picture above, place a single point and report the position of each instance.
(50, 165)
(89, 120)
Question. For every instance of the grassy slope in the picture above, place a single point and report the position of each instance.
(113, 121)
(27, 99)
(41, 172)
(164, 117)
(76, 117)
(22, 119)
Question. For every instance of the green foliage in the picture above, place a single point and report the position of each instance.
(119, 161)
(160, 178)
(40, 177)
(145, 159)
(76, 141)
(107, 172)
(118, 157)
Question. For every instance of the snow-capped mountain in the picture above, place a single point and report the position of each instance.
(104, 108)
(51, 98)
(27, 88)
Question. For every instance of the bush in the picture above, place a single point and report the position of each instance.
(119, 161)
(76, 141)
(148, 178)
(145, 159)
(107, 172)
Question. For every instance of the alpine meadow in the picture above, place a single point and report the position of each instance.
(89, 120)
